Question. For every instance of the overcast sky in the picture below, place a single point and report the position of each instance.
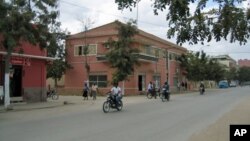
(101, 12)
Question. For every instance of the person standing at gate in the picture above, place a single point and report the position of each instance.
(94, 90)
(85, 91)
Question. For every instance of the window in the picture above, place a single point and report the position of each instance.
(92, 49)
(157, 53)
(79, 50)
(100, 80)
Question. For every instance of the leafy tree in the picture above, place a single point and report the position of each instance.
(56, 49)
(227, 19)
(231, 74)
(244, 74)
(122, 55)
(215, 71)
(58, 67)
(86, 24)
(200, 67)
(26, 21)
(195, 64)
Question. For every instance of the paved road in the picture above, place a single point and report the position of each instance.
(140, 120)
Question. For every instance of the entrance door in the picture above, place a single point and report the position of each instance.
(141, 82)
(16, 82)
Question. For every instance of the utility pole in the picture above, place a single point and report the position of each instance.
(137, 11)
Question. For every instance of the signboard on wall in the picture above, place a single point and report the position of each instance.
(20, 61)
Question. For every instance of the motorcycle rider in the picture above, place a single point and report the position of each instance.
(165, 89)
(202, 87)
(116, 93)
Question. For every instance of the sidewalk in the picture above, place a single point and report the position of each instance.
(62, 101)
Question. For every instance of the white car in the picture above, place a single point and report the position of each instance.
(232, 84)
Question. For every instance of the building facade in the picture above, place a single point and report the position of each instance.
(244, 63)
(226, 60)
(157, 57)
(27, 72)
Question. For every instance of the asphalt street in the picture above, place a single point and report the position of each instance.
(141, 120)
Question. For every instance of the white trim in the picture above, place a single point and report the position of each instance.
(30, 56)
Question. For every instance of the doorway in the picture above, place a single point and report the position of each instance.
(16, 81)
(141, 82)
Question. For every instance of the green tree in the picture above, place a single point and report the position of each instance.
(201, 67)
(227, 19)
(215, 71)
(244, 74)
(86, 24)
(231, 74)
(195, 64)
(121, 54)
(56, 49)
(26, 21)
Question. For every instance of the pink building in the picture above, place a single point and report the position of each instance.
(154, 65)
(244, 63)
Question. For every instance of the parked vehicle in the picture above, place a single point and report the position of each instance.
(223, 84)
(52, 94)
(110, 103)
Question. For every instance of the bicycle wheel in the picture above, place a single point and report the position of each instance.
(106, 107)
(55, 96)
(149, 95)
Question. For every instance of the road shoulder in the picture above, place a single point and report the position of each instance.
(219, 131)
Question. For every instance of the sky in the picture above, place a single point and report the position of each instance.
(100, 12)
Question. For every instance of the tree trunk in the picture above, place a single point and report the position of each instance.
(55, 82)
(123, 88)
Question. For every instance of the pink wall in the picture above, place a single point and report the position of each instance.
(74, 78)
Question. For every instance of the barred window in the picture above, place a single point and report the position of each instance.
(100, 80)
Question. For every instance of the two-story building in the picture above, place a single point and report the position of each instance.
(226, 60)
(157, 57)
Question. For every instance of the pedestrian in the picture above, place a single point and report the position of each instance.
(182, 85)
(185, 85)
(85, 91)
(178, 86)
(94, 90)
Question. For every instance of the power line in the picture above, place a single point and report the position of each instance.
(105, 13)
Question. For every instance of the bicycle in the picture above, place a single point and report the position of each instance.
(153, 93)
(52, 94)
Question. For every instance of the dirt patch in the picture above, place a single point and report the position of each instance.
(219, 131)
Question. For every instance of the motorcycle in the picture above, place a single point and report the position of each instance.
(202, 90)
(110, 103)
(165, 96)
